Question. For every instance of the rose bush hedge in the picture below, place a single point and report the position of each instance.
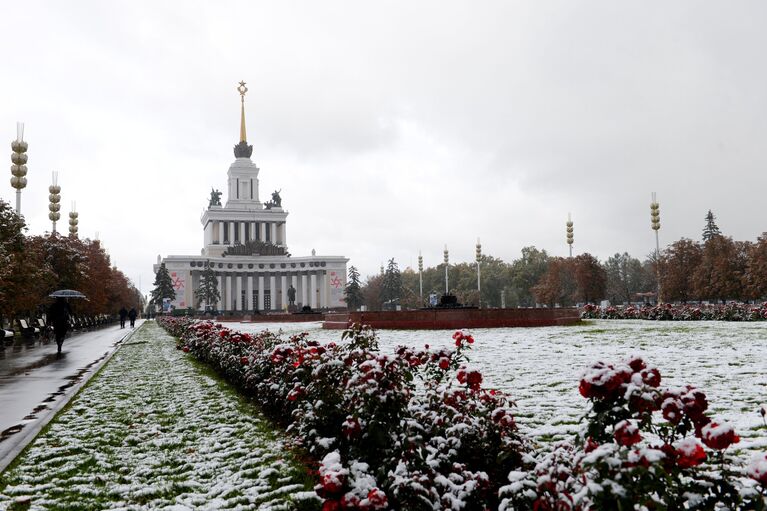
(416, 429)
(668, 312)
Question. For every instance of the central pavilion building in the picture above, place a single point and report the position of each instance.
(245, 242)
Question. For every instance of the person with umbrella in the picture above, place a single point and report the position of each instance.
(59, 312)
(58, 316)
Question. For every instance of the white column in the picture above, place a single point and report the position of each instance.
(273, 291)
(249, 291)
(283, 234)
(228, 302)
(260, 292)
(220, 305)
(221, 226)
(238, 295)
(323, 289)
(273, 227)
(252, 227)
(313, 290)
(304, 294)
(243, 225)
(283, 292)
(231, 233)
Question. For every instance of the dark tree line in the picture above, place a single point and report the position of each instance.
(31, 267)
(714, 269)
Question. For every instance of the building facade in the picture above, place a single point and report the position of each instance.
(245, 243)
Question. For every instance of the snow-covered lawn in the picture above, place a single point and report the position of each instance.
(153, 430)
(541, 367)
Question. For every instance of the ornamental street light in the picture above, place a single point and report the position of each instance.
(54, 199)
(446, 257)
(570, 233)
(420, 277)
(73, 221)
(479, 259)
(19, 167)
(655, 226)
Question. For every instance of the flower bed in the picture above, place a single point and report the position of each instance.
(417, 430)
(668, 312)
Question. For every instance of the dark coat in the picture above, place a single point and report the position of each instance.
(123, 313)
(58, 316)
(132, 314)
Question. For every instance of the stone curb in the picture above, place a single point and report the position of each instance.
(18, 443)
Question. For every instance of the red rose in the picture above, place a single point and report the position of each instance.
(444, 364)
(689, 453)
(244, 361)
(377, 499)
(474, 379)
(672, 410)
(637, 364)
(185, 349)
(719, 436)
(351, 427)
(694, 402)
(651, 377)
(627, 433)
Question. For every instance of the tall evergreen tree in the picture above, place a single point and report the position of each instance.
(353, 291)
(711, 230)
(163, 286)
(208, 291)
(392, 282)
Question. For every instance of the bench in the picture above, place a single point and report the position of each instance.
(26, 330)
(6, 332)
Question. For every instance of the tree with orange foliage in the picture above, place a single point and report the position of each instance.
(677, 265)
(755, 277)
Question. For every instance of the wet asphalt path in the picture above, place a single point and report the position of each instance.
(34, 380)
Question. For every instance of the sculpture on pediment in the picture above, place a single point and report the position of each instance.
(276, 201)
(215, 198)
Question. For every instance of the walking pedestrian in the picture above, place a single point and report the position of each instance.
(132, 316)
(58, 315)
(123, 315)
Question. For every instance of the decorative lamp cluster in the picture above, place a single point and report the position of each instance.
(446, 257)
(655, 225)
(479, 259)
(73, 221)
(54, 198)
(420, 275)
(19, 167)
(570, 237)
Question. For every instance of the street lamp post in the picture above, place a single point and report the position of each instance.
(570, 233)
(54, 199)
(655, 225)
(420, 277)
(73, 221)
(19, 167)
(479, 280)
(446, 257)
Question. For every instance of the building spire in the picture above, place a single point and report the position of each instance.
(242, 150)
(242, 90)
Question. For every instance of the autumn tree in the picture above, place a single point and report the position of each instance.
(372, 292)
(677, 266)
(590, 279)
(720, 272)
(755, 277)
(353, 290)
(626, 276)
(557, 285)
(524, 274)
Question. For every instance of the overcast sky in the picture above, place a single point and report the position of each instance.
(392, 127)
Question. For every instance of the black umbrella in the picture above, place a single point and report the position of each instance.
(67, 293)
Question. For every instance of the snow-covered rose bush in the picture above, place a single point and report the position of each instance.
(641, 446)
(668, 312)
(413, 430)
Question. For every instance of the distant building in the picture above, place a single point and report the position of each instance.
(245, 242)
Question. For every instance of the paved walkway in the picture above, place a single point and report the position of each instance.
(35, 382)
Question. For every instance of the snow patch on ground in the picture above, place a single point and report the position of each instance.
(151, 431)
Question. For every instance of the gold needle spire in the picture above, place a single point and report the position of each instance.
(242, 90)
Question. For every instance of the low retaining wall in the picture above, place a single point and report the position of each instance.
(438, 319)
(273, 318)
